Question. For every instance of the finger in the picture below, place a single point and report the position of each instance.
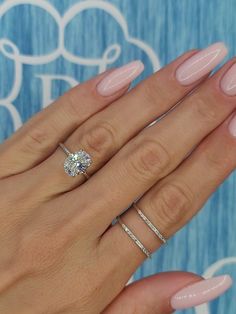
(151, 294)
(155, 152)
(162, 293)
(104, 133)
(39, 137)
(174, 200)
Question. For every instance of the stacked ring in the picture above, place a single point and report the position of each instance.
(78, 163)
(150, 225)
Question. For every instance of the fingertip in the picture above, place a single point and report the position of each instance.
(200, 292)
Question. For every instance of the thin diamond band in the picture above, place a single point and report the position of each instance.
(65, 150)
(149, 223)
(133, 237)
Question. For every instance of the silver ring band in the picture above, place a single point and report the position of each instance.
(65, 150)
(134, 238)
(149, 223)
(76, 163)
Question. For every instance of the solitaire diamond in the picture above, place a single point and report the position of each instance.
(77, 162)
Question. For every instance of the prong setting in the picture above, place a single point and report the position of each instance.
(77, 163)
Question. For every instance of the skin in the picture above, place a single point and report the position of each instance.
(59, 252)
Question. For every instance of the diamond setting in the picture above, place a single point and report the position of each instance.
(77, 162)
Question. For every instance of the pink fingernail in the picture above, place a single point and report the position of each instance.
(228, 82)
(201, 63)
(232, 126)
(201, 292)
(119, 78)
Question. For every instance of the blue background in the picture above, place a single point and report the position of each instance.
(168, 27)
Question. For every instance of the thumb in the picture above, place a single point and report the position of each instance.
(163, 292)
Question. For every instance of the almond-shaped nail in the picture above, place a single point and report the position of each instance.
(201, 63)
(120, 78)
(232, 126)
(201, 292)
(228, 82)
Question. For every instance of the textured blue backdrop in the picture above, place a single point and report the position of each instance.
(43, 54)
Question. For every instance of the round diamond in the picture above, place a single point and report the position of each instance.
(77, 163)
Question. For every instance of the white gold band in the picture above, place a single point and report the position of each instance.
(149, 223)
(134, 238)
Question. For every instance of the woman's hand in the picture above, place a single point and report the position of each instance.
(59, 251)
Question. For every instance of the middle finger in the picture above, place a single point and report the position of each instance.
(104, 134)
(155, 152)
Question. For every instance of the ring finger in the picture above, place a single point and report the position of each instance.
(156, 151)
(104, 134)
(39, 137)
(175, 199)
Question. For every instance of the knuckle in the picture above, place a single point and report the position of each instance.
(153, 92)
(205, 110)
(37, 141)
(148, 159)
(100, 139)
(219, 164)
(74, 102)
(171, 203)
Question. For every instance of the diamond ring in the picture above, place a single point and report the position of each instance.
(76, 163)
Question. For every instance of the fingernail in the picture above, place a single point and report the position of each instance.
(119, 78)
(228, 82)
(232, 126)
(201, 292)
(201, 63)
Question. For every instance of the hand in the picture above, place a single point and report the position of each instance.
(59, 251)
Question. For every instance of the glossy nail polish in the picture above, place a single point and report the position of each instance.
(228, 82)
(119, 78)
(201, 292)
(201, 63)
(232, 126)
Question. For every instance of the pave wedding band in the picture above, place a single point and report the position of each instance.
(134, 238)
(76, 163)
(149, 223)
